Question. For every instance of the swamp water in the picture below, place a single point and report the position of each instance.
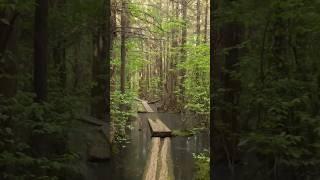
(130, 161)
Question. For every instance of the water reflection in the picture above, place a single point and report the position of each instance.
(130, 162)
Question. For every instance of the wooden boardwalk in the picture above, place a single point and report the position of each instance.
(158, 128)
(150, 172)
(159, 163)
(146, 106)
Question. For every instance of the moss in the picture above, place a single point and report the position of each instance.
(183, 133)
(186, 132)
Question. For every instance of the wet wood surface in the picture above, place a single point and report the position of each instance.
(159, 163)
(158, 128)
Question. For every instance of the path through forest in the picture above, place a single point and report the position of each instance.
(132, 156)
(159, 163)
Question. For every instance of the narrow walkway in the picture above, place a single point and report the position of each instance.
(159, 163)
(147, 106)
(158, 128)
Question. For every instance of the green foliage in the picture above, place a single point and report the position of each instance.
(202, 162)
(278, 70)
(197, 78)
(20, 6)
(186, 132)
(22, 120)
(34, 136)
(123, 106)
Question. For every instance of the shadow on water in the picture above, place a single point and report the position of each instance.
(130, 161)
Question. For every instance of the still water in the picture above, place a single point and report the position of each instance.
(129, 162)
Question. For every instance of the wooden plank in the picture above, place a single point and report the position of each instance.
(150, 172)
(140, 108)
(159, 164)
(138, 99)
(158, 128)
(165, 169)
(147, 106)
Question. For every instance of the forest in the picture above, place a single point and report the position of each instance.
(81, 79)
(265, 79)
(159, 89)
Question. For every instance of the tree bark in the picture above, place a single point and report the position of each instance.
(100, 107)
(41, 50)
(183, 48)
(206, 23)
(170, 99)
(198, 22)
(109, 39)
(59, 47)
(101, 66)
(123, 47)
(8, 67)
(231, 33)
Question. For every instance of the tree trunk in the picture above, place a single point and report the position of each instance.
(170, 100)
(101, 67)
(41, 50)
(198, 22)
(213, 86)
(231, 33)
(123, 47)
(8, 67)
(206, 22)
(109, 39)
(59, 55)
(59, 47)
(183, 48)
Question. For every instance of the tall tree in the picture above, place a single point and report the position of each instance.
(124, 19)
(184, 8)
(231, 34)
(59, 44)
(40, 49)
(206, 21)
(8, 42)
(198, 7)
(100, 107)
(108, 40)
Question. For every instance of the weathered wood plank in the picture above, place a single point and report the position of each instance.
(158, 128)
(147, 106)
(140, 108)
(150, 172)
(165, 169)
(159, 163)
